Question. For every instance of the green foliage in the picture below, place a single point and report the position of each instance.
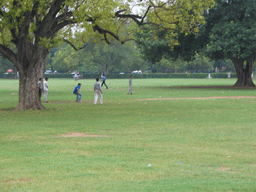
(83, 19)
(154, 48)
(99, 58)
(200, 64)
(231, 28)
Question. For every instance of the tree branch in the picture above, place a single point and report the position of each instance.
(9, 54)
(105, 32)
(49, 19)
(133, 17)
(73, 46)
(57, 27)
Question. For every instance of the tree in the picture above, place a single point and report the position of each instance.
(154, 46)
(98, 58)
(172, 64)
(200, 64)
(230, 33)
(30, 28)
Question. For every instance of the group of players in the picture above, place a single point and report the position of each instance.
(43, 88)
(98, 90)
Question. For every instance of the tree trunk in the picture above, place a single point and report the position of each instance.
(106, 69)
(30, 70)
(243, 73)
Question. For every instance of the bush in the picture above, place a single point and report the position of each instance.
(58, 75)
(222, 75)
(128, 75)
(7, 76)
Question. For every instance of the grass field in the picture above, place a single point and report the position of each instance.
(130, 143)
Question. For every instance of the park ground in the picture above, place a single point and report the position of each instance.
(170, 135)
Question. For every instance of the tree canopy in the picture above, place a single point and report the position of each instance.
(230, 33)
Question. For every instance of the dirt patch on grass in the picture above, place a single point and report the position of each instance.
(17, 181)
(78, 134)
(206, 87)
(222, 168)
(202, 98)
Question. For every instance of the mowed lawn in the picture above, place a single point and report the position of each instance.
(139, 142)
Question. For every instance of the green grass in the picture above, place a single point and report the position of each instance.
(192, 145)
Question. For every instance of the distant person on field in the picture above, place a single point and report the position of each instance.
(77, 92)
(40, 87)
(97, 92)
(46, 90)
(76, 77)
(103, 81)
(130, 85)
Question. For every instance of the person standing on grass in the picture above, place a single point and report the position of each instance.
(40, 87)
(97, 92)
(46, 90)
(130, 85)
(75, 77)
(77, 93)
(103, 81)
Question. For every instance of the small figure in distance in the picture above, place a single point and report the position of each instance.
(103, 81)
(45, 90)
(75, 76)
(130, 85)
(40, 87)
(97, 92)
(77, 93)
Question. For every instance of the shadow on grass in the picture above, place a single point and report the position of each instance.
(205, 87)
(8, 109)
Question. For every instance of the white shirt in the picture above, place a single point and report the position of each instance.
(45, 86)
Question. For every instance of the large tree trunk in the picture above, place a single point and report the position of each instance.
(243, 72)
(30, 70)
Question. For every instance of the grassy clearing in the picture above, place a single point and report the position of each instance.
(191, 145)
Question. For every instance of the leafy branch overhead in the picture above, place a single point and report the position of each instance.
(44, 19)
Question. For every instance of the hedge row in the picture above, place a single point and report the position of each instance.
(7, 76)
(127, 75)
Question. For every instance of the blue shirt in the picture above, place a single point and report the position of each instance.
(103, 78)
(75, 90)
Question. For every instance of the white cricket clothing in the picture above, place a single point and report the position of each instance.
(97, 94)
(45, 86)
(45, 95)
(45, 90)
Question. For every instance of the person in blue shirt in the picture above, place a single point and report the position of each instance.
(77, 93)
(103, 81)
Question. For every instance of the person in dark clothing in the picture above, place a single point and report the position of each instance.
(40, 87)
(103, 81)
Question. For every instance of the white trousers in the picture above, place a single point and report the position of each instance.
(130, 90)
(98, 94)
(45, 95)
